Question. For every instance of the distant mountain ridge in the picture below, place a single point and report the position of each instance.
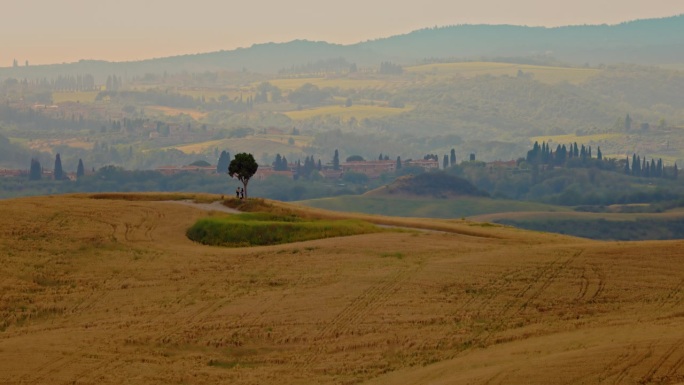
(649, 41)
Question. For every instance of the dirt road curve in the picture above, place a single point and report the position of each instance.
(214, 206)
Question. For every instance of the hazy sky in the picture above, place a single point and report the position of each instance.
(56, 31)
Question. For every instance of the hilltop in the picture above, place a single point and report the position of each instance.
(110, 290)
(650, 41)
(433, 184)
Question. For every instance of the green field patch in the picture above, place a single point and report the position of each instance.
(261, 229)
(359, 112)
(545, 74)
(77, 96)
(427, 207)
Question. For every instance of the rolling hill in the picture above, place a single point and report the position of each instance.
(651, 41)
(433, 184)
(110, 291)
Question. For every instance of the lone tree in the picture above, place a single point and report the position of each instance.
(243, 167)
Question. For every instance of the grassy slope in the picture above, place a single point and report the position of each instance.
(110, 291)
(427, 207)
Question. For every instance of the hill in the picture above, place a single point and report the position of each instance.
(428, 207)
(651, 41)
(433, 184)
(109, 291)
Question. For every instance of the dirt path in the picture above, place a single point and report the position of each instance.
(214, 206)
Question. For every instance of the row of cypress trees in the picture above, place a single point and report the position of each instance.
(36, 170)
(543, 155)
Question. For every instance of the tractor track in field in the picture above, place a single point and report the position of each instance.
(673, 296)
(355, 312)
(545, 277)
(653, 370)
(47, 372)
(633, 360)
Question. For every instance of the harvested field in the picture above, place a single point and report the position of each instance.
(110, 291)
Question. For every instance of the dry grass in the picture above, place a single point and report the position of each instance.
(75, 96)
(257, 144)
(567, 139)
(110, 291)
(358, 112)
(48, 144)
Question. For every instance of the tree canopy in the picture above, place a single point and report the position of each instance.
(243, 167)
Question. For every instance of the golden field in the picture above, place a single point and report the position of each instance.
(74, 96)
(358, 112)
(258, 144)
(110, 291)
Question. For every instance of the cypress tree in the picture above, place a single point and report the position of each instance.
(80, 171)
(398, 163)
(336, 161)
(452, 160)
(659, 168)
(58, 173)
(223, 163)
(627, 171)
(277, 162)
(445, 163)
(599, 155)
(636, 165)
(36, 172)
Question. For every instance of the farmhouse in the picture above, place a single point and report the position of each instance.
(10, 173)
(373, 168)
(426, 164)
(264, 172)
(173, 170)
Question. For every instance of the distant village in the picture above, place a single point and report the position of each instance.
(371, 168)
